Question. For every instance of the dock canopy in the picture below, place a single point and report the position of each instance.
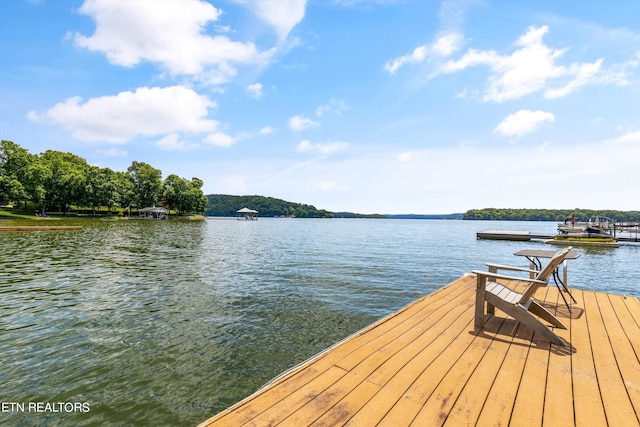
(153, 213)
(247, 213)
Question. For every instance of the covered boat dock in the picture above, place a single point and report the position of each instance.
(154, 212)
(246, 213)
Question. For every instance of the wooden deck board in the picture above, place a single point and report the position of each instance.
(587, 400)
(426, 365)
(615, 399)
(558, 402)
(529, 404)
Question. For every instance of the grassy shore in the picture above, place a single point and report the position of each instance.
(8, 212)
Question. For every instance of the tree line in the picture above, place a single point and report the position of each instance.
(227, 205)
(58, 180)
(548, 214)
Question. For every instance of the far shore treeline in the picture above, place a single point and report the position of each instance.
(549, 214)
(55, 180)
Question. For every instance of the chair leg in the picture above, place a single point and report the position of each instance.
(481, 285)
(543, 313)
(524, 316)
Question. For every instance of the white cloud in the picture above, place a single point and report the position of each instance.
(282, 15)
(168, 33)
(222, 29)
(337, 106)
(255, 90)
(449, 38)
(173, 142)
(444, 46)
(322, 148)
(145, 112)
(584, 74)
(527, 70)
(523, 122)
(418, 55)
(299, 123)
(220, 139)
(267, 130)
(628, 140)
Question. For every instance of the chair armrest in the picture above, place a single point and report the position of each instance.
(508, 267)
(502, 276)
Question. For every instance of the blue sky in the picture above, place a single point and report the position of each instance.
(367, 106)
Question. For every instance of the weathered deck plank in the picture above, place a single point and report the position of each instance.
(426, 365)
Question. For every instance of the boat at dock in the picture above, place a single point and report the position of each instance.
(596, 231)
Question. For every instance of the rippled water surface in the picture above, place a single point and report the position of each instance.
(168, 322)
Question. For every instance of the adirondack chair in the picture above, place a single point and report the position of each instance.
(520, 306)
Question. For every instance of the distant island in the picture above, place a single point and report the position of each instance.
(548, 214)
(228, 205)
(225, 205)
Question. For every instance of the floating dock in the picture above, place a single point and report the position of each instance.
(425, 365)
(40, 227)
(523, 236)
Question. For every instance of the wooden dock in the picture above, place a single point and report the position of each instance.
(425, 365)
(523, 236)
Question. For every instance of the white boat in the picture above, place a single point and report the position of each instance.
(597, 230)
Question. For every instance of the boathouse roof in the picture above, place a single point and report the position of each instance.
(246, 210)
(154, 209)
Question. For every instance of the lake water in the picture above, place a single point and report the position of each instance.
(169, 322)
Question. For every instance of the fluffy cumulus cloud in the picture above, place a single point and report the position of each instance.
(173, 142)
(144, 113)
(523, 122)
(220, 139)
(267, 130)
(530, 68)
(299, 123)
(170, 33)
(443, 46)
(322, 148)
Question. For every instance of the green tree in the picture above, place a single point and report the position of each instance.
(199, 199)
(175, 192)
(14, 164)
(126, 193)
(65, 185)
(38, 174)
(101, 188)
(184, 195)
(147, 183)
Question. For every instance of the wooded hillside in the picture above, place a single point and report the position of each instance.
(227, 205)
